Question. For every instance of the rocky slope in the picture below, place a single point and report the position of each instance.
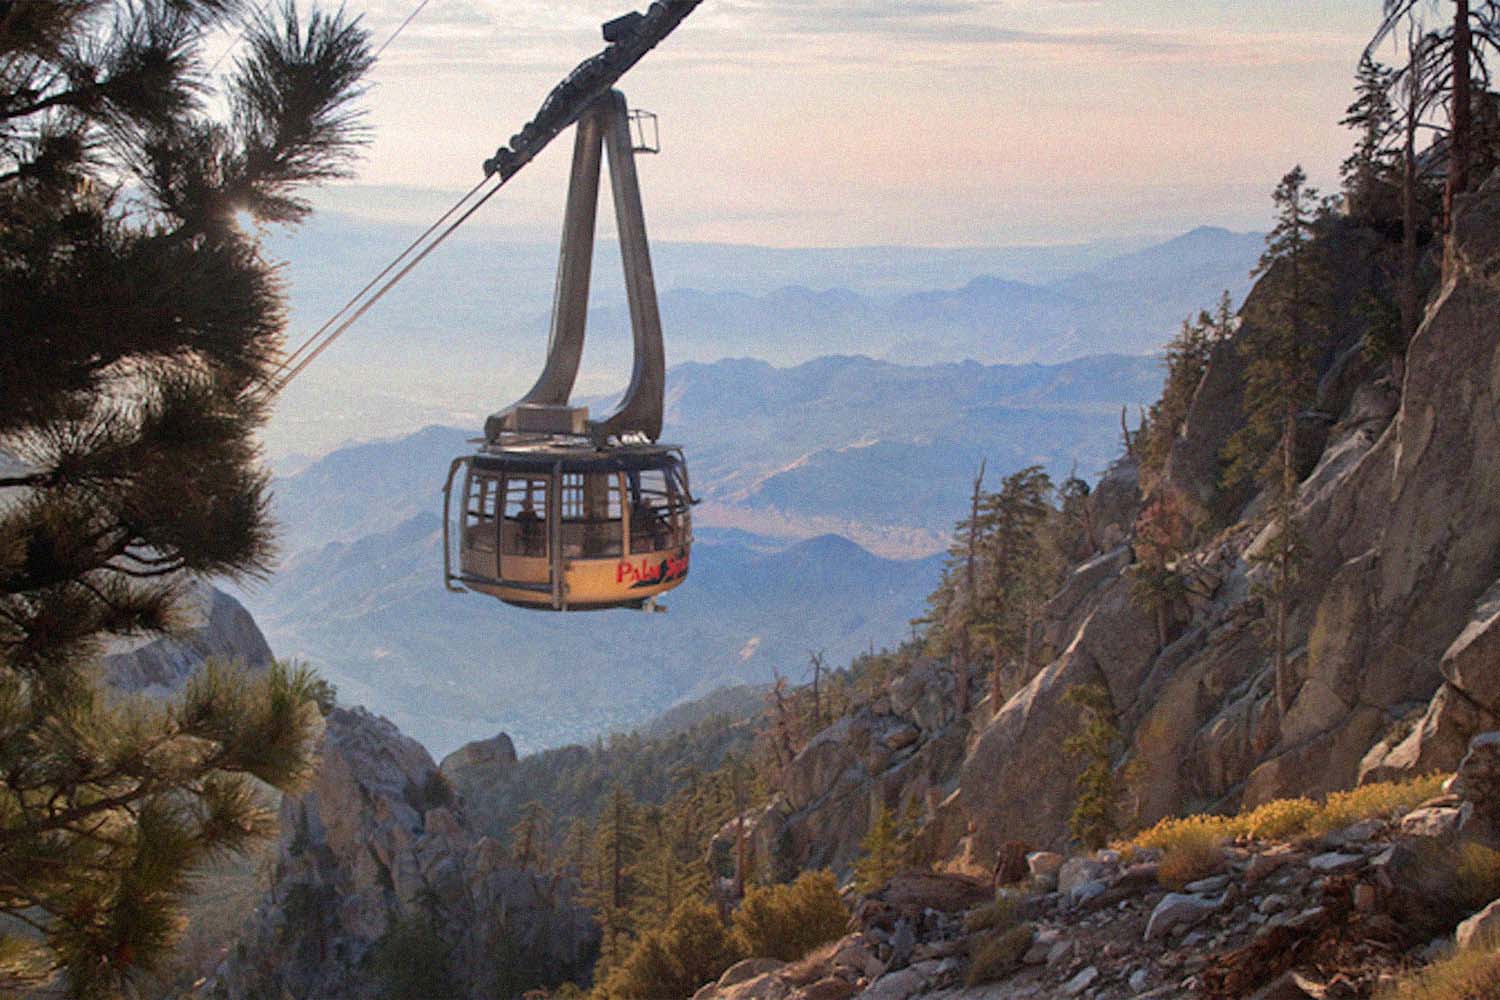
(379, 848)
(1317, 918)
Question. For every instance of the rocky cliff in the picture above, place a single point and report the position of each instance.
(377, 870)
(1397, 600)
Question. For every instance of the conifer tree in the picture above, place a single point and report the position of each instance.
(1290, 321)
(529, 837)
(609, 883)
(881, 851)
(1074, 501)
(1020, 568)
(136, 324)
(1093, 820)
(1370, 168)
(671, 868)
(1461, 47)
(1187, 357)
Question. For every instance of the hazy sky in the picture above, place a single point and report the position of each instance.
(847, 122)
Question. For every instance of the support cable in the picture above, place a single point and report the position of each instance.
(312, 338)
(281, 383)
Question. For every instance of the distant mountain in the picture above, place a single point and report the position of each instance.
(373, 616)
(467, 332)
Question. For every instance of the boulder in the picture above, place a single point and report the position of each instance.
(1481, 930)
(492, 757)
(1178, 908)
(828, 988)
(1082, 981)
(1478, 783)
(1078, 871)
(213, 626)
(1044, 863)
(747, 969)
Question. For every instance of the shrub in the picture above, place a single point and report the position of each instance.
(998, 952)
(1000, 914)
(1385, 798)
(1478, 875)
(1169, 833)
(1278, 820)
(1287, 819)
(1193, 855)
(788, 921)
(1472, 974)
(674, 960)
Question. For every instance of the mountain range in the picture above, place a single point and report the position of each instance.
(468, 330)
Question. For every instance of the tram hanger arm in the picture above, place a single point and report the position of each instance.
(630, 38)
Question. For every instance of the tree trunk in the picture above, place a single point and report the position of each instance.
(1284, 556)
(995, 689)
(1460, 137)
(1409, 211)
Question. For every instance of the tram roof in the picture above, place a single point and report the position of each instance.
(545, 457)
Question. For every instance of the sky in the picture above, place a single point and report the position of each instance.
(880, 122)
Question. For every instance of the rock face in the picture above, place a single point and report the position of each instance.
(217, 627)
(1397, 603)
(379, 842)
(902, 752)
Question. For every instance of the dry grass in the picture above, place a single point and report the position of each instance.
(1278, 820)
(1473, 974)
(1478, 874)
(1195, 853)
(1001, 914)
(1290, 819)
(998, 953)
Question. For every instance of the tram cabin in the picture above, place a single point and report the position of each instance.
(568, 527)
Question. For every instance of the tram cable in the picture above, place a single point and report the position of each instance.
(284, 376)
(312, 338)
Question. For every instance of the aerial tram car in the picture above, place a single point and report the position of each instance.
(555, 510)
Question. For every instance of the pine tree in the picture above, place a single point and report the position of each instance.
(1161, 534)
(1290, 321)
(1093, 820)
(671, 868)
(136, 324)
(1187, 357)
(881, 851)
(609, 882)
(1452, 63)
(1020, 566)
(1370, 169)
(529, 837)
